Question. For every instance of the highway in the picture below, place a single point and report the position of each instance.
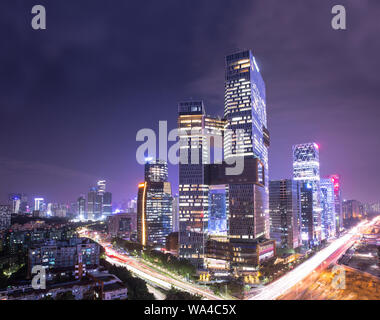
(153, 276)
(321, 259)
(272, 291)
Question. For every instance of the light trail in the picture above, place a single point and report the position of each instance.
(286, 282)
(146, 273)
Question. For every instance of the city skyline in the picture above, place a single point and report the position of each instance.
(190, 151)
(343, 106)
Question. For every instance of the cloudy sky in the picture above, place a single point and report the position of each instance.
(73, 97)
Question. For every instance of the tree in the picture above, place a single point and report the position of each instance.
(137, 289)
(174, 294)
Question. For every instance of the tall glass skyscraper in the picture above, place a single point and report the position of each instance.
(94, 205)
(245, 110)
(231, 211)
(285, 213)
(306, 171)
(154, 205)
(194, 129)
(328, 208)
(81, 207)
(156, 171)
(335, 179)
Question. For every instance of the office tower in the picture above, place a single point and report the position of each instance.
(94, 205)
(107, 204)
(176, 213)
(5, 217)
(306, 196)
(285, 213)
(245, 109)
(154, 205)
(306, 170)
(81, 208)
(49, 210)
(242, 221)
(103, 201)
(38, 204)
(195, 132)
(338, 202)
(15, 200)
(156, 171)
(101, 186)
(60, 211)
(328, 208)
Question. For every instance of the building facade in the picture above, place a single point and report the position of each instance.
(306, 170)
(195, 132)
(338, 202)
(285, 213)
(154, 205)
(217, 208)
(5, 217)
(245, 110)
(328, 208)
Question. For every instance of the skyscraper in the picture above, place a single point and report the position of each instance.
(154, 205)
(99, 202)
(285, 213)
(39, 204)
(328, 208)
(195, 128)
(94, 205)
(306, 170)
(101, 186)
(106, 204)
(175, 213)
(245, 110)
(15, 200)
(81, 207)
(156, 171)
(212, 202)
(338, 202)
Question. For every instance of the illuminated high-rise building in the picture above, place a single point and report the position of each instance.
(175, 213)
(232, 210)
(99, 202)
(335, 178)
(39, 204)
(195, 130)
(245, 110)
(106, 204)
(306, 171)
(101, 186)
(94, 205)
(156, 171)
(285, 213)
(328, 208)
(154, 206)
(81, 207)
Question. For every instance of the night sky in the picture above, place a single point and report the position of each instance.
(73, 97)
